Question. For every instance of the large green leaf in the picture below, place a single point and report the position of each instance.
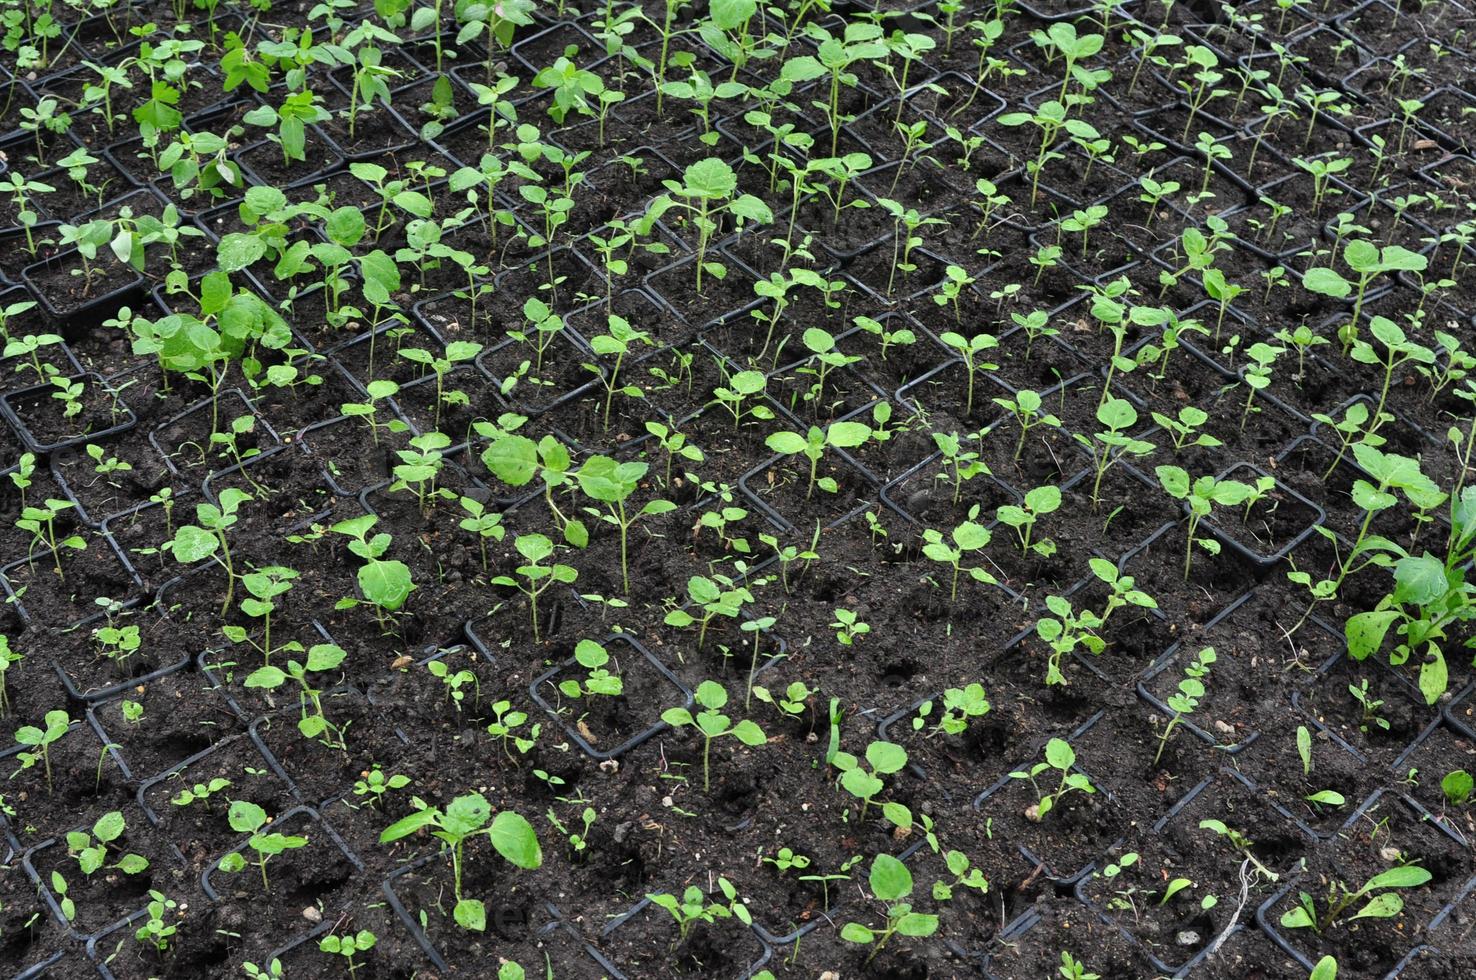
(515, 840)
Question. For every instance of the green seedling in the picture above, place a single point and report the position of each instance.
(1186, 700)
(465, 818)
(246, 817)
(863, 779)
(891, 883)
(812, 445)
(1367, 261)
(207, 537)
(312, 721)
(598, 680)
(536, 577)
(612, 484)
(200, 792)
(1060, 757)
(348, 946)
(1200, 495)
(1038, 503)
(968, 537)
(92, 847)
(156, 930)
(385, 583)
(695, 907)
(1382, 892)
(38, 742)
(960, 705)
(711, 724)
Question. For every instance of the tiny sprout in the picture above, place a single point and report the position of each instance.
(373, 784)
(848, 628)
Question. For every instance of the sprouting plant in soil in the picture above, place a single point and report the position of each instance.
(710, 723)
(1060, 758)
(40, 523)
(1200, 495)
(959, 706)
(464, 819)
(386, 584)
(312, 722)
(696, 907)
(612, 483)
(348, 946)
(38, 743)
(952, 550)
(534, 577)
(207, 537)
(891, 883)
(92, 847)
(201, 793)
(246, 817)
(1185, 701)
(1382, 891)
(158, 930)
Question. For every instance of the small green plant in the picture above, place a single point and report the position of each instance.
(505, 726)
(960, 705)
(312, 721)
(1060, 757)
(536, 577)
(157, 931)
(1073, 969)
(1382, 892)
(40, 522)
(848, 627)
(246, 817)
(207, 537)
(739, 388)
(612, 483)
(971, 350)
(1200, 495)
(598, 680)
(374, 785)
(1026, 408)
(1368, 706)
(385, 584)
(812, 446)
(711, 723)
(464, 819)
(38, 742)
(1038, 502)
(1184, 702)
(1367, 261)
(891, 884)
(696, 907)
(1457, 786)
(1111, 445)
(200, 792)
(8, 659)
(348, 946)
(706, 194)
(968, 537)
(862, 777)
(92, 847)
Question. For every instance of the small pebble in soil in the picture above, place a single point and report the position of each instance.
(312, 914)
(1188, 938)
